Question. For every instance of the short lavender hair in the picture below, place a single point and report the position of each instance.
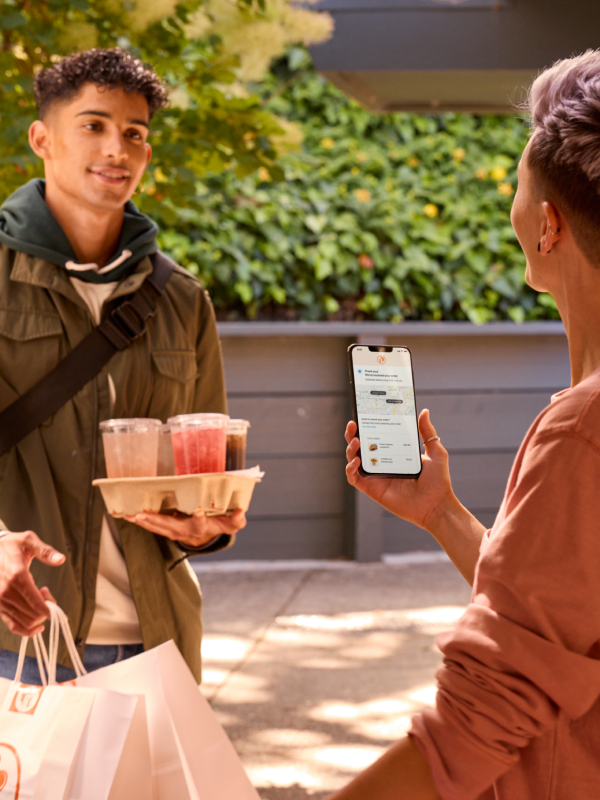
(564, 102)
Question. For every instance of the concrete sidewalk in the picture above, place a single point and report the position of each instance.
(315, 669)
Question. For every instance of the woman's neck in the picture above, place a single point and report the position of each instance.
(578, 302)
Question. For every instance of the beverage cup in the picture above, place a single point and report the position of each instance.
(130, 447)
(166, 462)
(199, 442)
(237, 433)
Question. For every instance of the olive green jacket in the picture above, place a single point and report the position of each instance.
(46, 480)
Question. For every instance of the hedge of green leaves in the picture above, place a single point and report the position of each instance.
(379, 217)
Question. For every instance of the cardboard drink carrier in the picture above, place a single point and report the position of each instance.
(214, 493)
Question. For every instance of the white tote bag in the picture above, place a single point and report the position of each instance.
(69, 743)
(192, 758)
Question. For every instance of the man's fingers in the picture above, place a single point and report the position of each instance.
(231, 525)
(29, 596)
(163, 525)
(47, 595)
(14, 626)
(42, 551)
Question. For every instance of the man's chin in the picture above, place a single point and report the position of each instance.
(109, 198)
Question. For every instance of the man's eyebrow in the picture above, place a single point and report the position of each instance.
(109, 116)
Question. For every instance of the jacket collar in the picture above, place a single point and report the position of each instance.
(38, 272)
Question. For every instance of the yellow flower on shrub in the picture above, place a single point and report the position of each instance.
(505, 189)
(431, 210)
(361, 157)
(499, 173)
(481, 174)
(413, 162)
(355, 171)
(389, 185)
(327, 143)
(264, 174)
(362, 195)
(459, 153)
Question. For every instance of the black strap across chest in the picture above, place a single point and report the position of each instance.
(124, 321)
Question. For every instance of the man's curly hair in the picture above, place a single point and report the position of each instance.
(112, 69)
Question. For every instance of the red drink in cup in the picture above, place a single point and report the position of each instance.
(199, 442)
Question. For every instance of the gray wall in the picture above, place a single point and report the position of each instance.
(484, 386)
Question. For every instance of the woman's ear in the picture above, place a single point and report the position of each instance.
(550, 233)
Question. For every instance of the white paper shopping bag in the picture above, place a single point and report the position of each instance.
(67, 742)
(30, 719)
(192, 758)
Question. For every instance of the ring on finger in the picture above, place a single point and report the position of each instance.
(432, 439)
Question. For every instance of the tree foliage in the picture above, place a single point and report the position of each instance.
(202, 48)
(379, 217)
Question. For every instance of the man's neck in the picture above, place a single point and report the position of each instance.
(93, 234)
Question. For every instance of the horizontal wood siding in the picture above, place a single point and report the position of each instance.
(483, 393)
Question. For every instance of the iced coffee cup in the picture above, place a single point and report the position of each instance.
(237, 433)
(166, 462)
(130, 447)
(199, 442)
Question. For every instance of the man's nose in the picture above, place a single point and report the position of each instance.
(113, 146)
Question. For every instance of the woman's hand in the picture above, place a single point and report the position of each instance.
(417, 501)
(428, 502)
(196, 530)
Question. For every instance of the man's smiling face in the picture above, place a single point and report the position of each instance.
(95, 148)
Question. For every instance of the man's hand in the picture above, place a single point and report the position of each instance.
(22, 605)
(417, 501)
(428, 502)
(195, 531)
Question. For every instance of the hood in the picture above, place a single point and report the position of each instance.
(28, 226)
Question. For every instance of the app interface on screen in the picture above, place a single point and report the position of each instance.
(387, 419)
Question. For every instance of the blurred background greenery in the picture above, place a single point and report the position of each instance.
(287, 199)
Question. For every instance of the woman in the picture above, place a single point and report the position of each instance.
(517, 713)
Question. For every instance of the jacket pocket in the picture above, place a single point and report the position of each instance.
(29, 350)
(179, 365)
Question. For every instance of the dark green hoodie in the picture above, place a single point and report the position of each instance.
(28, 226)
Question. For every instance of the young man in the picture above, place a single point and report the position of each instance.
(517, 713)
(68, 245)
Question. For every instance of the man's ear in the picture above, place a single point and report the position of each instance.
(39, 139)
(148, 152)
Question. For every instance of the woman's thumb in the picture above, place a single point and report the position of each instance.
(426, 428)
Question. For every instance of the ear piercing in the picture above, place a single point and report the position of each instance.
(554, 233)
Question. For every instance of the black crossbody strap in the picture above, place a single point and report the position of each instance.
(124, 322)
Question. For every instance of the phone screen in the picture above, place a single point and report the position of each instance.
(386, 412)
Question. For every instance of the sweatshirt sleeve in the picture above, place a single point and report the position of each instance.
(527, 647)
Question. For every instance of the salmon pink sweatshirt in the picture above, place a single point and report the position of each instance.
(517, 713)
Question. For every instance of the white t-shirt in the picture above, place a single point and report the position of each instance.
(115, 619)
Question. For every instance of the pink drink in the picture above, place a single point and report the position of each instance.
(199, 442)
(130, 447)
(201, 450)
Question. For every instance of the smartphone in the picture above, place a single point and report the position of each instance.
(385, 410)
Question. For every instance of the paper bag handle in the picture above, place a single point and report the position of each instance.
(47, 659)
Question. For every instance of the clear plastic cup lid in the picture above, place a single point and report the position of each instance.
(237, 426)
(135, 425)
(197, 421)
